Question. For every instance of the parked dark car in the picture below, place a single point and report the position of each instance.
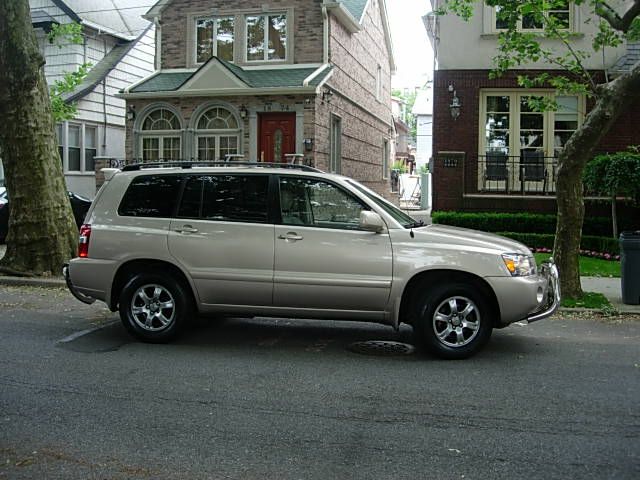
(79, 204)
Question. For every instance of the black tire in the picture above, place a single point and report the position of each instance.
(154, 308)
(444, 329)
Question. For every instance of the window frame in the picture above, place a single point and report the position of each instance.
(160, 135)
(265, 42)
(570, 28)
(341, 188)
(62, 139)
(335, 144)
(514, 148)
(186, 178)
(214, 38)
(216, 133)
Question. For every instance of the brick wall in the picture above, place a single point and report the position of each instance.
(307, 23)
(461, 135)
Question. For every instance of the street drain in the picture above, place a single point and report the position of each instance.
(382, 348)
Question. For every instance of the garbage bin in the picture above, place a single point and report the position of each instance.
(630, 267)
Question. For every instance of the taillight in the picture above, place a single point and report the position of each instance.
(83, 241)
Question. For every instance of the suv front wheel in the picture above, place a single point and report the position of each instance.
(453, 321)
(154, 308)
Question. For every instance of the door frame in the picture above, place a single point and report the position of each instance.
(254, 139)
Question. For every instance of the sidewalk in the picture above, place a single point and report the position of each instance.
(609, 287)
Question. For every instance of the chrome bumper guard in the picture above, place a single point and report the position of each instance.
(549, 271)
(80, 296)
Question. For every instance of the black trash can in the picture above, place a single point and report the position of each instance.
(630, 267)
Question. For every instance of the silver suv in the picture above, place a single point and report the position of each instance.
(163, 243)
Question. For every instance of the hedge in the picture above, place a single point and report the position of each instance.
(590, 245)
(523, 222)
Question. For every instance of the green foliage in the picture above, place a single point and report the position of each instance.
(526, 223)
(589, 244)
(67, 32)
(590, 300)
(399, 167)
(424, 169)
(614, 175)
(62, 34)
(410, 99)
(61, 109)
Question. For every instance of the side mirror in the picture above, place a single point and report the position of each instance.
(371, 221)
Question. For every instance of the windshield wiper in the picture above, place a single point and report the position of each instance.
(416, 224)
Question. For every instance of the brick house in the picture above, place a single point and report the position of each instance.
(491, 151)
(268, 81)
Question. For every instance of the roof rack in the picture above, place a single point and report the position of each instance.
(205, 163)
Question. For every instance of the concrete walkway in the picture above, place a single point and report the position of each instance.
(609, 287)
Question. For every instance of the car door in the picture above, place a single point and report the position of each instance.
(323, 260)
(223, 237)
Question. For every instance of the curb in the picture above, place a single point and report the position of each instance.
(52, 282)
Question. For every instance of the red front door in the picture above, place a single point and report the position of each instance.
(277, 136)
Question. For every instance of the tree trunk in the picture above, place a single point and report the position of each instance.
(614, 216)
(42, 232)
(614, 98)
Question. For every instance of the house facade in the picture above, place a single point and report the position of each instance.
(423, 112)
(491, 150)
(119, 46)
(268, 81)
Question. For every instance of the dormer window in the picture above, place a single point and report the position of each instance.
(266, 37)
(214, 36)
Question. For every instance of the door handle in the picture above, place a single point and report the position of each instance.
(187, 229)
(291, 236)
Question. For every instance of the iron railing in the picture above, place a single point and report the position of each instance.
(528, 174)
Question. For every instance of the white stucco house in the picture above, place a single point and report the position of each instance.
(423, 111)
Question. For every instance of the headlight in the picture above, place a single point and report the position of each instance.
(519, 265)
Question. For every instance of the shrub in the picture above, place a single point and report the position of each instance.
(592, 246)
(521, 222)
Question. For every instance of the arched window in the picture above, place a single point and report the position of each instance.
(161, 136)
(217, 134)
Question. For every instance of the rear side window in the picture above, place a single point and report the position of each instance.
(231, 198)
(150, 196)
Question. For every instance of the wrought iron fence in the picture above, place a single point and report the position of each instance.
(531, 173)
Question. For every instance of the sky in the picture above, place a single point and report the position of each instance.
(411, 48)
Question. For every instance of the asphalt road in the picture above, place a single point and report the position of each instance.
(280, 399)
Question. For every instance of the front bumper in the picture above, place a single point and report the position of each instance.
(549, 271)
(74, 291)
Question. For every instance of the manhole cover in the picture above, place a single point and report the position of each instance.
(382, 347)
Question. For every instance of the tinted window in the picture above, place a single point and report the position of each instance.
(150, 196)
(306, 201)
(232, 198)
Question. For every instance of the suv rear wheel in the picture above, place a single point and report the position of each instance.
(453, 321)
(154, 308)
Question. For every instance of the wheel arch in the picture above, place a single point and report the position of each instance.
(424, 280)
(145, 265)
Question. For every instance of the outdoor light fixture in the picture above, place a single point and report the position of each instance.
(243, 111)
(308, 144)
(131, 113)
(455, 105)
(326, 95)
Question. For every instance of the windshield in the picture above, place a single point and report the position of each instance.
(390, 208)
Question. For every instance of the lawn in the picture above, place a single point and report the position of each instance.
(590, 267)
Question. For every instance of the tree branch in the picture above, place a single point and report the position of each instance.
(617, 22)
